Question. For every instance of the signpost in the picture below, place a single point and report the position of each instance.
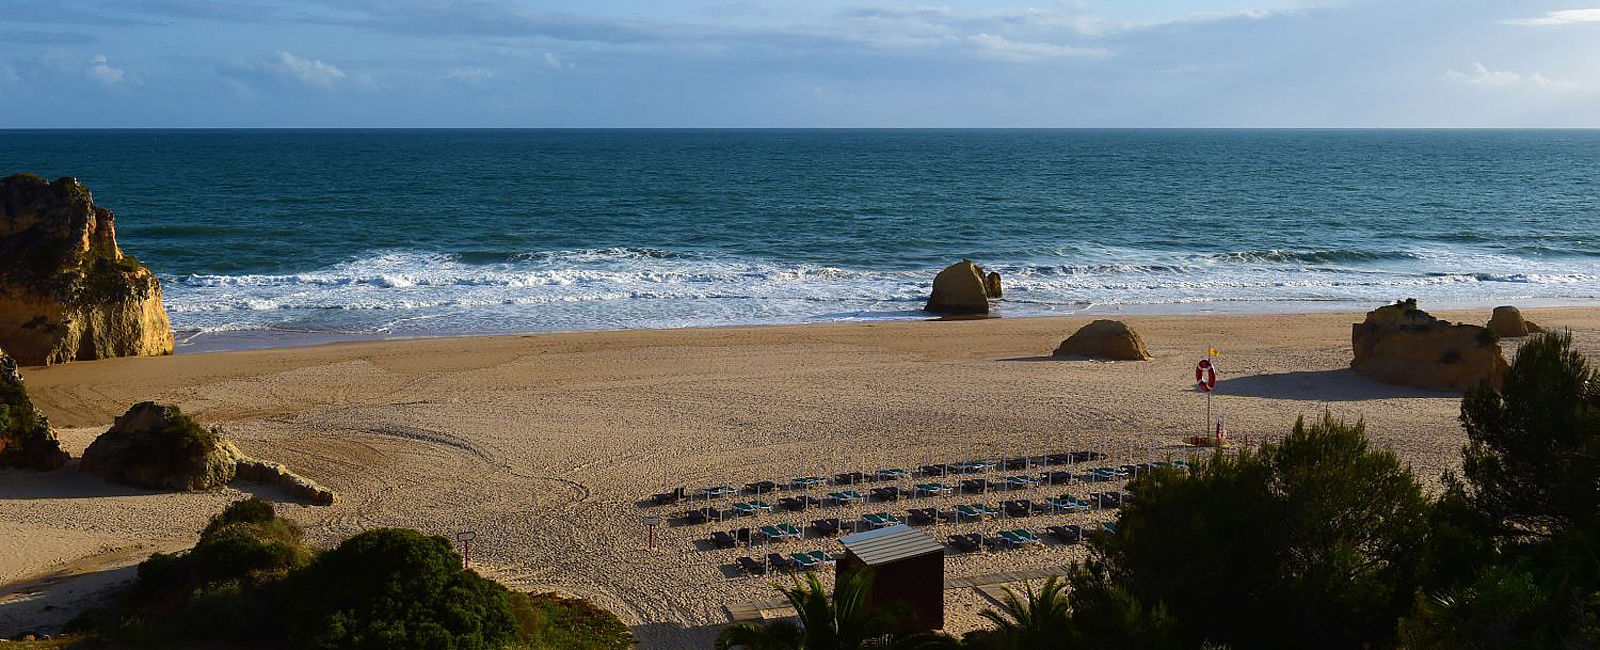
(650, 524)
(464, 538)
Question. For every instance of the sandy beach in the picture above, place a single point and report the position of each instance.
(545, 445)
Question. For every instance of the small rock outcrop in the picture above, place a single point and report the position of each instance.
(963, 288)
(1508, 322)
(1403, 345)
(156, 446)
(25, 438)
(1105, 339)
(67, 292)
(299, 487)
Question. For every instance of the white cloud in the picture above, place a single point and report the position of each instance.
(554, 62)
(307, 71)
(100, 71)
(468, 74)
(1555, 18)
(999, 48)
(1481, 75)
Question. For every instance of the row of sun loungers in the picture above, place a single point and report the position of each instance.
(780, 562)
(1065, 503)
(1002, 540)
(1053, 477)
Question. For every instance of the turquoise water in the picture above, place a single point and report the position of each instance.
(449, 232)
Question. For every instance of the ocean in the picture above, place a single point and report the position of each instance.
(265, 235)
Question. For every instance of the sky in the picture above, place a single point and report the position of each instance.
(811, 63)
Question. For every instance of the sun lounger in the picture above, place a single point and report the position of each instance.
(777, 562)
(930, 489)
(934, 470)
(923, 516)
(703, 515)
(891, 474)
(1109, 527)
(1027, 536)
(998, 542)
(1015, 463)
(718, 490)
(1020, 482)
(1069, 534)
(848, 478)
(886, 493)
(722, 539)
(803, 561)
(750, 567)
(760, 487)
(875, 520)
(846, 497)
(668, 498)
(963, 543)
(826, 527)
(1017, 508)
(803, 482)
(974, 486)
(780, 532)
(823, 557)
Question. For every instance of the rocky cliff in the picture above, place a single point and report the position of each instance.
(25, 437)
(67, 292)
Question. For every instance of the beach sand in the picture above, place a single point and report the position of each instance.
(545, 445)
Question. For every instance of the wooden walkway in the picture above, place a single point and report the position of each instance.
(987, 584)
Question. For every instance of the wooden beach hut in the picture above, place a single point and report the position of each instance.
(908, 567)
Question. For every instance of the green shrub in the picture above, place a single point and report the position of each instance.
(393, 588)
(246, 545)
(551, 622)
(1312, 543)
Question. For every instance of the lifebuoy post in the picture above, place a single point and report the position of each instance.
(1205, 378)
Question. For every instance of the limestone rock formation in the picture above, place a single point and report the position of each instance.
(265, 471)
(67, 292)
(157, 446)
(963, 288)
(1508, 322)
(1401, 344)
(25, 437)
(1105, 339)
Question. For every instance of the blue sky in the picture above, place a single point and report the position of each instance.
(818, 63)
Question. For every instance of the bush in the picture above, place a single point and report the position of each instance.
(1312, 543)
(551, 622)
(242, 555)
(394, 588)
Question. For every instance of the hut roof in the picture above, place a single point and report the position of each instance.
(886, 545)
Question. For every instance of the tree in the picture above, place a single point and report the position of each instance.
(1032, 620)
(1532, 459)
(394, 588)
(840, 620)
(1313, 543)
(1530, 487)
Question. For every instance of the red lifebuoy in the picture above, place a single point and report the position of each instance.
(1205, 376)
